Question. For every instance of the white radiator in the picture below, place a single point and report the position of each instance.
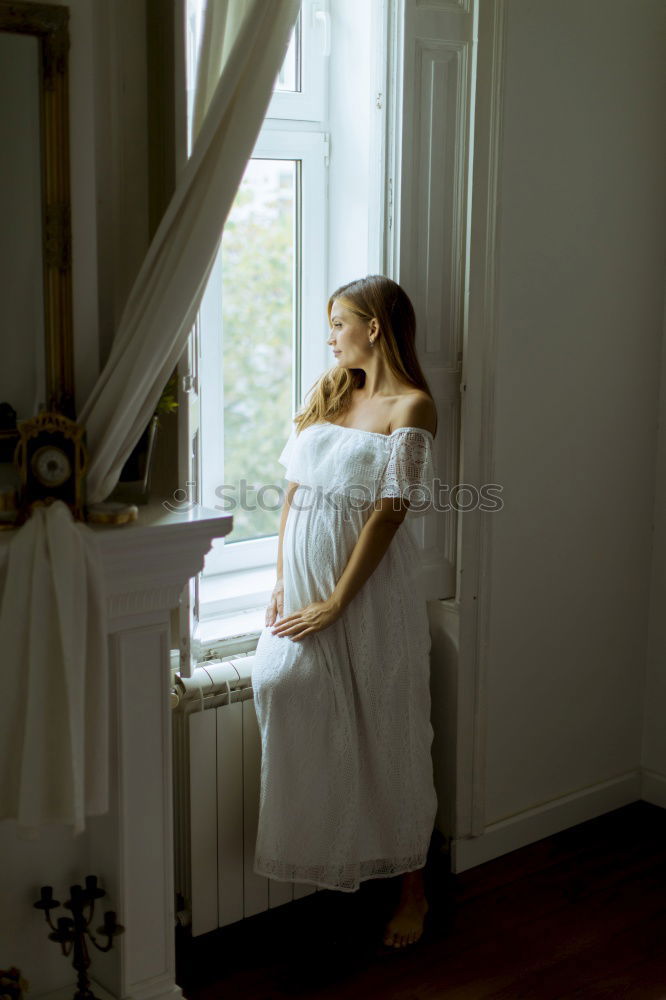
(217, 757)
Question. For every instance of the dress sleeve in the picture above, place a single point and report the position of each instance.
(287, 451)
(409, 471)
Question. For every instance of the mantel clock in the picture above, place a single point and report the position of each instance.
(51, 459)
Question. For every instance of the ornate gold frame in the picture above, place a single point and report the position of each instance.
(49, 24)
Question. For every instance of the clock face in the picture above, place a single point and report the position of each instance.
(51, 466)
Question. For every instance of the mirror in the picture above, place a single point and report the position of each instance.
(35, 240)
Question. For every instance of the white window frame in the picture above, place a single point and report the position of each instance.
(227, 608)
(310, 150)
(424, 99)
(308, 103)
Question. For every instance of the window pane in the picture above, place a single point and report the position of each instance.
(258, 313)
(289, 77)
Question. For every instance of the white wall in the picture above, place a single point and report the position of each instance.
(579, 323)
(56, 859)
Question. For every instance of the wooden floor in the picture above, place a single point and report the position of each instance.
(581, 914)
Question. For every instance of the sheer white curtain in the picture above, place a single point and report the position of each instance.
(53, 666)
(244, 45)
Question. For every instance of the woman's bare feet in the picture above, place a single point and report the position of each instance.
(406, 925)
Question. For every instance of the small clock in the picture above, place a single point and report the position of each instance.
(51, 466)
(51, 461)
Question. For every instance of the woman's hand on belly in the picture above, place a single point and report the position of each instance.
(312, 618)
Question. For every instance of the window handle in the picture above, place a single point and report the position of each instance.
(321, 15)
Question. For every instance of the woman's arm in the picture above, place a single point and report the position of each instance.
(371, 545)
(276, 602)
(291, 489)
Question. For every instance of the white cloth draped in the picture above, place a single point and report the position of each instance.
(54, 674)
(54, 711)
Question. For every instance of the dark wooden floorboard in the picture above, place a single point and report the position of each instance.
(578, 915)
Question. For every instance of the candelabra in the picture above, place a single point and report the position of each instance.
(71, 932)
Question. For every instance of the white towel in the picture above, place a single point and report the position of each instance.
(54, 674)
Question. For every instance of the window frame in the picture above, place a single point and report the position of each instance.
(309, 149)
(426, 63)
(230, 602)
(308, 103)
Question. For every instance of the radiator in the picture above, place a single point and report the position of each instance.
(217, 759)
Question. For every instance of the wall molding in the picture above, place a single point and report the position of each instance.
(138, 602)
(427, 244)
(441, 70)
(547, 819)
(478, 397)
(653, 787)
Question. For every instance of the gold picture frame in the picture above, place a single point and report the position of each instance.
(49, 24)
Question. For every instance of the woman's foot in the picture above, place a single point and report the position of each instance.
(406, 925)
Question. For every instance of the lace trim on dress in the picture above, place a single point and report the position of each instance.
(410, 472)
(344, 878)
(363, 465)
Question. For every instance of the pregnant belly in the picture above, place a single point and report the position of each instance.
(319, 537)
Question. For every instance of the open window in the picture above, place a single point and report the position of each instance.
(361, 167)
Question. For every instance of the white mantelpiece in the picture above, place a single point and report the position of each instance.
(146, 564)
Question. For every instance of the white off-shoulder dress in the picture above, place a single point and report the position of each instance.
(347, 790)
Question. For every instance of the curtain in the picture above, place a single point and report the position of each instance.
(222, 22)
(244, 45)
(54, 672)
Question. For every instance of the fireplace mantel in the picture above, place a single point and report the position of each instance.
(148, 562)
(146, 566)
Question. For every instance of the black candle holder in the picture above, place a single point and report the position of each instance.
(71, 932)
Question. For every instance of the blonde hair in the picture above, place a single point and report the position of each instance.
(374, 297)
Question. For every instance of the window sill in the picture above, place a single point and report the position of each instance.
(223, 594)
(232, 610)
(238, 626)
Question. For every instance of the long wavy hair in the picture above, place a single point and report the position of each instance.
(374, 297)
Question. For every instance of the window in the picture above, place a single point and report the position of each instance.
(305, 219)
(366, 152)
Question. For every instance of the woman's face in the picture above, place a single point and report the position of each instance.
(349, 337)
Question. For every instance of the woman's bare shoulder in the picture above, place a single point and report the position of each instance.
(414, 408)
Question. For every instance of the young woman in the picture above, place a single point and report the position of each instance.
(341, 674)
